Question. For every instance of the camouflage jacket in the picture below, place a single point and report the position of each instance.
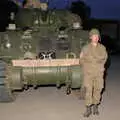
(93, 58)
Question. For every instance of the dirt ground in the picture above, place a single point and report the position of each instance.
(48, 103)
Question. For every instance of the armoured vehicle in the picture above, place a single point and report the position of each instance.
(40, 50)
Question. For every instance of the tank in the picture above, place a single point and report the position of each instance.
(41, 49)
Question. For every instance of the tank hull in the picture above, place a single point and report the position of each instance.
(14, 78)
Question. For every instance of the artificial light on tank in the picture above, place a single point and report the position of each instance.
(76, 25)
(7, 41)
(8, 45)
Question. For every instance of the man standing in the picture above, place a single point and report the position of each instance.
(93, 57)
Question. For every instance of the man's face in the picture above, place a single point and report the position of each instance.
(43, 6)
(94, 38)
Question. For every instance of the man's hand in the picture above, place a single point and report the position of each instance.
(81, 58)
(81, 55)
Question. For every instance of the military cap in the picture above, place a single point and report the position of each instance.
(94, 31)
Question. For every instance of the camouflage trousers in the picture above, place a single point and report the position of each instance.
(93, 84)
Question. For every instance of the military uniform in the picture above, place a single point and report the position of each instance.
(93, 60)
(45, 18)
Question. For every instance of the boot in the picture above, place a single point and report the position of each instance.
(88, 111)
(95, 110)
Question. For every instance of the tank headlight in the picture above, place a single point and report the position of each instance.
(8, 45)
(76, 25)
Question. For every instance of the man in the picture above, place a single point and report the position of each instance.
(44, 17)
(93, 57)
(47, 17)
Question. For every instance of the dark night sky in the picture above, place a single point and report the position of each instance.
(103, 9)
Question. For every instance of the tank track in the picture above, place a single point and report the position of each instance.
(5, 92)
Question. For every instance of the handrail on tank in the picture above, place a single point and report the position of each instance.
(72, 54)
